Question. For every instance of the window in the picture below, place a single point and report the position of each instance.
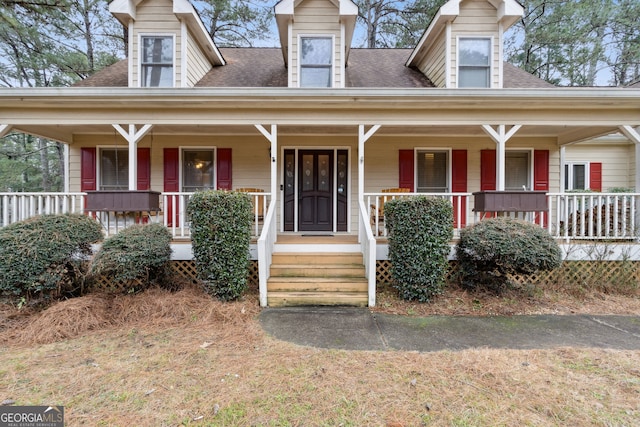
(316, 61)
(433, 175)
(517, 170)
(114, 169)
(474, 62)
(575, 176)
(157, 61)
(197, 170)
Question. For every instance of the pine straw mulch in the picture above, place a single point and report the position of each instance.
(154, 308)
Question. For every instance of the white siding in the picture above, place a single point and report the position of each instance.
(197, 63)
(434, 65)
(618, 162)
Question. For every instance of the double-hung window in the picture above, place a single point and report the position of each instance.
(474, 62)
(433, 171)
(157, 61)
(114, 169)
(316, 61)
(575, 176)
(517, 174)
(198, 169)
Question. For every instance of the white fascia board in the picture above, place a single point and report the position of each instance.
(508, 11)
(348, 8)
(446, 14)
(124, 10)
(185, 11)
(284, 15)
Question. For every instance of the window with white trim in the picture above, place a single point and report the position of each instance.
(114, 169)
(156, 62)
(433, 171)
(316, 61)
(517, 173)
(198, 169)
(474, 62)
(575, 176)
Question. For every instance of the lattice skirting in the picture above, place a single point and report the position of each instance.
(583, 273)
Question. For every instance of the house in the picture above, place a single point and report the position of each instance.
(315, 131)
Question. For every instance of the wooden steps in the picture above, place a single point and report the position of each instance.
(317, 278)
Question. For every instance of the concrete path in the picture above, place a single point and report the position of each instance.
(360, 329)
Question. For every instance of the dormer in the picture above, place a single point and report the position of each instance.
(315, 36)
(463, 45)
(168, 44)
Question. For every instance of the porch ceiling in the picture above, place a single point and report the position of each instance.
(569, 115)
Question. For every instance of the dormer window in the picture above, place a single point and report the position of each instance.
(316, 62)
(157, 61)
(474, 62)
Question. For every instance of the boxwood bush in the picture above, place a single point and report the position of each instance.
(491, 250)
(220, 236)
(420, 230)
(134, 259)
(46, 256)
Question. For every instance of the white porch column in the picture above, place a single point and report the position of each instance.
(634, 136)
(500, 136)
(4, 130)
(562, 177)
(272, 137)
(362, 138)
(133, 136)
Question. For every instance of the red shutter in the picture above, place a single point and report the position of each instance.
(87, 169)
(459, 185)
(144, 169)
(405, 168)
(595, 176)
(487, 170)
(541, 170)
(171, 181)
(224, 174)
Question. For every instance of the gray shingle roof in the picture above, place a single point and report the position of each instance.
(264, 67)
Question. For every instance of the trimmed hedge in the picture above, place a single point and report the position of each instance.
(220, 236)
(136, 257)
(491, 250)
(45, 256)
(420, 230)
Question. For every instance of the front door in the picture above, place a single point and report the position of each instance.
(315, 190)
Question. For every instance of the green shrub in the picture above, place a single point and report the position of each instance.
(220, 236)
(135, 258)
(491, 250)
(46, 256)
(420, 230)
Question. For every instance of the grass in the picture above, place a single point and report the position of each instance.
(163, 359)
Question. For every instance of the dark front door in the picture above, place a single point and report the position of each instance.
(315, 190)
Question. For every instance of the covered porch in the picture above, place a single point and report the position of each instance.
(367, 135)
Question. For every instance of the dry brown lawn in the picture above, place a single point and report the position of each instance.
(170, 359)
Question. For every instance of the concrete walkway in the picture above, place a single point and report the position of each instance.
(360, 329)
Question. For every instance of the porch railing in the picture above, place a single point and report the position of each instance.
(374, 202)
(16, 207)
(266, 243)
(368, 248)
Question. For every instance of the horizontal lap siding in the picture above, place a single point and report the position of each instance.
(433, 66)
(156, 17)
(618, 162)
(197, 63)
(316, 17)
(477, 18)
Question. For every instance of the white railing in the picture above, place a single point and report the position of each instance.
(374, 202)
(594, 216)
(368, 248)
(174, 205)
(266, 243)
(16, 207)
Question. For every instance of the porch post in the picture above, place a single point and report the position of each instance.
(634, 136)
(4, 130)
(500, 136)
(562, 177)
(272, 137)
(133, 136)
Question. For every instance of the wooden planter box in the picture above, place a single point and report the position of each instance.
(123, 201)
(510, 201)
